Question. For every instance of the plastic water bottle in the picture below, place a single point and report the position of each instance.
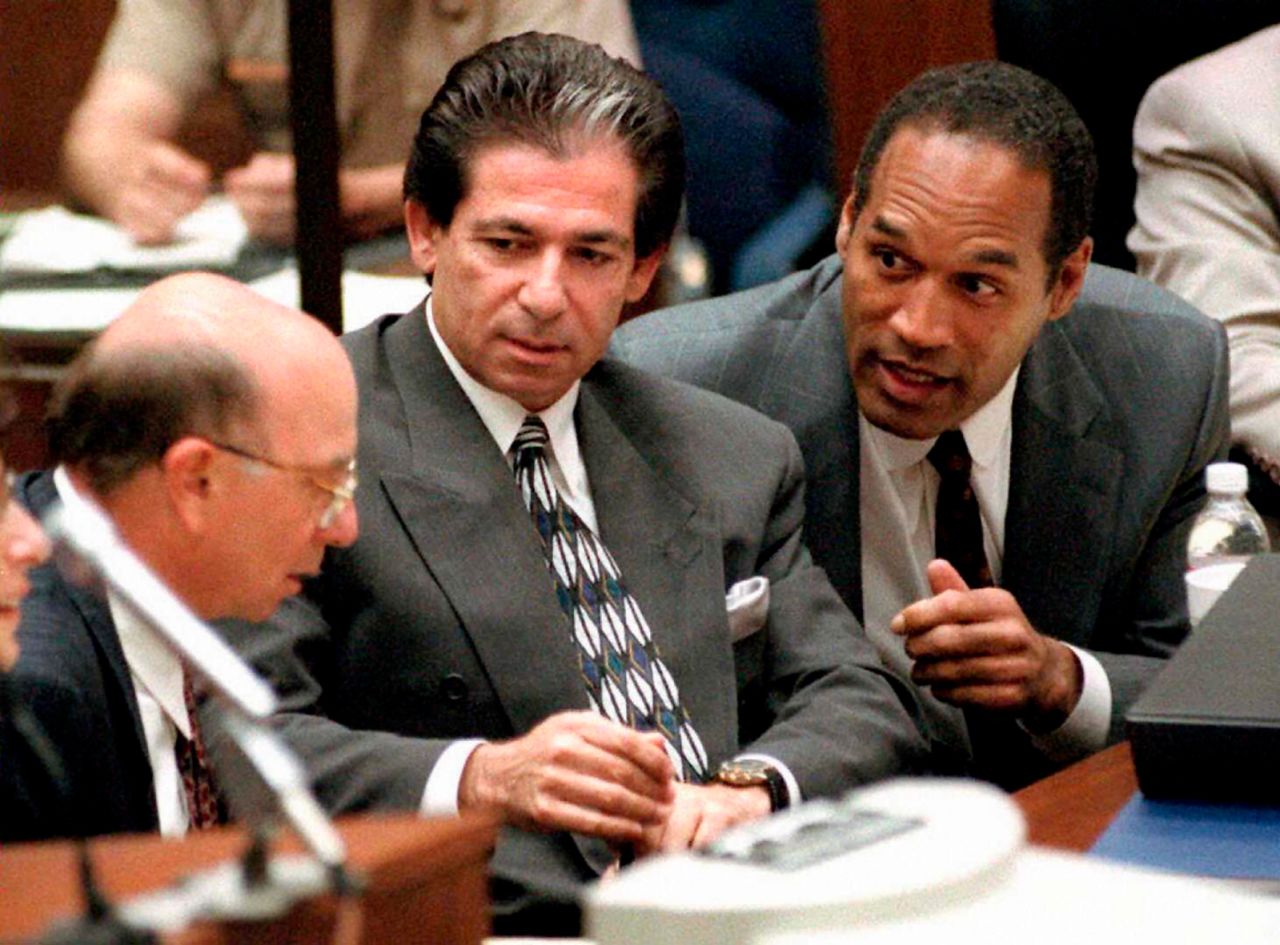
(1223, 537)
(1228, 529)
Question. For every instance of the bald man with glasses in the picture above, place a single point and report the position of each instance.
(217, 430)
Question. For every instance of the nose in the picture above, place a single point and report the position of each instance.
(24, 541)
(345, 528)
(542, 293)
(922, 319)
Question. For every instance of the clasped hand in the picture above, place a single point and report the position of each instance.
(976, 648)
(580, 772)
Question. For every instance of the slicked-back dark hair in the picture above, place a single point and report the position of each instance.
(1002, 104)
(114, 413)
(557, 94)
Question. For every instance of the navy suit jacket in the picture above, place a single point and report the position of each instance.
(1119, 406)
(73, 677)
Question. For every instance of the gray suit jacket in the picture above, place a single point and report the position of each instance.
(1119, 406)
(441, 623)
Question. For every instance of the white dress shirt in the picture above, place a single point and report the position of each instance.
(503, 417)
(899, 492)
(157, 686)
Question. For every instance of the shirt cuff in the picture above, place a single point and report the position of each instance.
(440, 798)
(793, 787)
(1085, 730)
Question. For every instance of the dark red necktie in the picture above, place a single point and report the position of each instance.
(957, 533)
(197, 781)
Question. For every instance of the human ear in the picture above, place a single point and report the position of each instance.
(191, 480)
(642, 273)
(423, 234)
(848, 216)
(1066, 288)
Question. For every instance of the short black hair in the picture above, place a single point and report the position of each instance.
(1007, 106)
(115, 412)
(555, 93)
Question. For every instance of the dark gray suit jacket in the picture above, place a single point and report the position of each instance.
(1119, 406)
(73, 677)
(441, 623)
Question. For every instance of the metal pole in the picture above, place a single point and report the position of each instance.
(313, 119)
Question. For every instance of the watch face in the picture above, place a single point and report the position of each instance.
(743, 772)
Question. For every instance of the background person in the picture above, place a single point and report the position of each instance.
(1207, 149)
(120, 157)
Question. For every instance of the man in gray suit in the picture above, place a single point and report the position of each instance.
(1087, 404)
(477, 647)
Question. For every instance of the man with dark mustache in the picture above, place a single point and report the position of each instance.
(1004, 444)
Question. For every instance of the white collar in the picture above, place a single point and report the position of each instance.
(503, 416)
(984, 433)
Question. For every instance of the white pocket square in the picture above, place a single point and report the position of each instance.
(748, 605)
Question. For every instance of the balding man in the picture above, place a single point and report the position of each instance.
(217, 430)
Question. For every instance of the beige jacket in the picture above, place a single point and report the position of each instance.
(391, 55)
(1207, 150)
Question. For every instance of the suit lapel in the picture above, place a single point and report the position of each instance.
(810, 391)
(1063, 489)
(91, 603)
(669, 551)
(458, 501)
(97, 615)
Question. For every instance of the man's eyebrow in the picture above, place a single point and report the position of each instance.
(520, 228)
(883, 226)
(506, 224)
(996, 257)
(986, 257)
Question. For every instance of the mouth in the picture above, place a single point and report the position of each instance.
(909, 383)
(535, 349)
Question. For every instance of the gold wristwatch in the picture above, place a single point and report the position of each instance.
(752, 772)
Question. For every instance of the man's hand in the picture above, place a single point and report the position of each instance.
(162, 185)
(263, 191)
(372, 199)
(702, 812)
(576, 771)
(976, 648)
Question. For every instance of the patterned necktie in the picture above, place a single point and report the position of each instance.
(957, 535)
(625, 677)
(197, 781)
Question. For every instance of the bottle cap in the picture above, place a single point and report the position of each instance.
(1229, 478)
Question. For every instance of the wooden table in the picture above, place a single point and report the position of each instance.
(1070, 810)
(426, 881)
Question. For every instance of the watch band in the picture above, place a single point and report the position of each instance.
(752, 772)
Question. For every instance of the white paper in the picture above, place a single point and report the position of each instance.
(55, 240)
(88, 311)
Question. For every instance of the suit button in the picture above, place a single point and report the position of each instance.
(454, 687)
